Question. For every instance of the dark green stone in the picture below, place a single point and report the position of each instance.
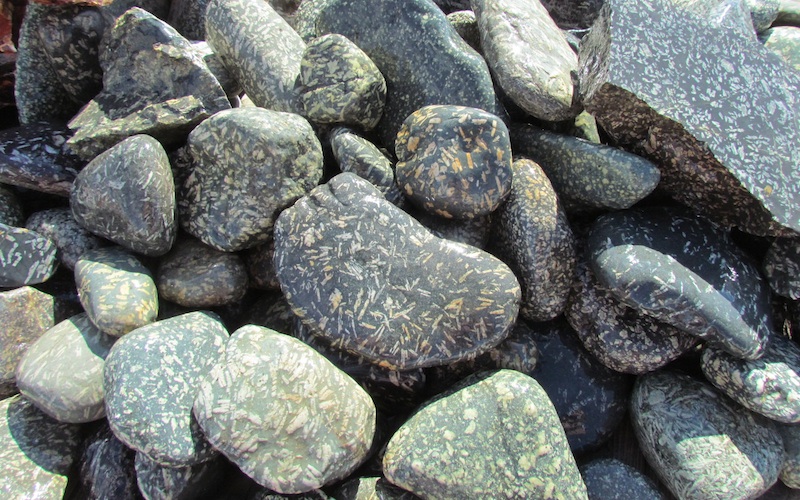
(26, 257)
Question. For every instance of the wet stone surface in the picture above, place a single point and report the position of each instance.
(26, 257)
(610, 479)
(70, 238)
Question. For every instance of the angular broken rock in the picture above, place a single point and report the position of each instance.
(375, 282)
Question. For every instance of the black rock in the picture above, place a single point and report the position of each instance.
(107, 467)
(610, 479)
(260, 266)
(26, 257)
(11, 209)
(781, 267)
(189, 18)
(573, 14)
(70, 238)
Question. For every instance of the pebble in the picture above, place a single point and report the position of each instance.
(610, 479)
(11, 209)
(781, 267)
(26, 257)
(283, 413)
(70, 238)
(790, 470)
(107, 467)
(784, 41)
(158, 482)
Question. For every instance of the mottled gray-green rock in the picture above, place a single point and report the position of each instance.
(151, 378)
(158, 482)
(789, 13)
(466, 25)
(701, 444)
(610, 479)
(283, 413)
(70, 238)
(26, 257)
(127, 195)
(189, 18)
(62, 372)
(764, 12)
(529, 57)
(260, 49)
(116, 290)
(374, 282)
(586, 176)
(731, 15)
(784, 41)
(36, 451)
(454, 161)
(790, 471)
(10, 209)
(340, 83)
(496, 436)
(781, 266)
(172, 91)
(237, 157)
(107, 467)
(304, 21)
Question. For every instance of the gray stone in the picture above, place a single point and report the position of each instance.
(790, 470)
(701, 444)
(10, 209)
(497, 435)
(107, 467)
(789, 13)
(189, 18)
(529, 57)
(236, 157)
(781, 266)
(610, 479)
(374, 282)
(466, 25)
(151, 378)
(26, 257)
(158, 482)
(284, 414)
(304, 21)
(784, 41)
(70, 238)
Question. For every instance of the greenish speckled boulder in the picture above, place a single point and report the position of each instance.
(28, 258)
(158, 482)
(781, 266)
(62, 372)
(764, 12)
(127, 195)
(700, 443)
(784, 41)
(496, 436)
(283, 413)
(116, 290)
(790, 471)
(106, 467)
(443, 70)
(374, 282)
(454, 161)
(585, 175)
(10, 209)
(70, 238)
(611, 479)
(731, 15)
(247, 165)
(151, 378)
(340, 83)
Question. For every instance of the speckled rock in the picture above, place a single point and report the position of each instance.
(26, 257)
(359, 156)
(116, 290)
(33, 156)
(189, 18)
(304, 20)
(790, 471)
(585, 175)
(221, 72)
(62, 372)
(107, 467)
(701, 444)
(269, 397)
(781, 266)
(475, 232)
(610, 479)
(259, 48)
(784, 41)
(151, 378)
(529, 57)
(236, 157)
(573, 14)
(340, 83)
(416, 74)
(466, 25)
(10, 209)
(196, 275)
(496, 436)
(454, 161)
(430, 301)
(272, 311)
(681, 93)
(371, 488)
(585, 127)
(731, 15)
(764, 12)
(172, 92)
(127, 195)
(532, 235)
(157, 482)
(70, 238)
(685, 271)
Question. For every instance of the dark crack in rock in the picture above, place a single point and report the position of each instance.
(261, 266)
(466, 25)
(151, 378)
(573, 14)
(790, 471)
(371, 488)
(784, 41)
(10, 209)
(454, 161)
(781, 266)
(70, 238)
(497, 435)
(221, 72)
(475, 232)
(374, 282)
(107, 467)
(158, 482)
(683, 270)
(189, 18)
(26, 257)
(611, 479)
(284, 414)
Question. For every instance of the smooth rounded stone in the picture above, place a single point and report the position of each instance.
(497, 435)
(116, 290)
(610, 479)
(454, 161)
(236, 157)
(374, 282)
(532, 235)
(26, 257)
(769, 385)
(784, 41)
(70, 238)
(573, 14)
(217, 67)
(466, 25)
(371, 488)
(475, 232)
(36, 451)
(443, 70)
(621, 337)
(151, 378)
(586, 176)
(172, 91)
(781, 266)
(158, 482)
(107, 467)
(790, 470)
(260, 49)
(359, 156)
(10, 209)
(529, 57)
(700, 443)
(260, 266)
(196, 275)
(340, 83)
(62, 372)
(683, 270)
(33, 156)
(284, 414)
(189, 18)
(127, 195)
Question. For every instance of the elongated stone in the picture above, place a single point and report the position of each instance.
(26, 257)
(70, 238)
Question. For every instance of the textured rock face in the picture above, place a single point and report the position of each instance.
(781, 267)
(497, 436)
(189, 18)
(157, 482)
(608, 479)
(659, 82)
(344, 249)
(269, 398)
(70, 238)
(11, 209)
(26, 257)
